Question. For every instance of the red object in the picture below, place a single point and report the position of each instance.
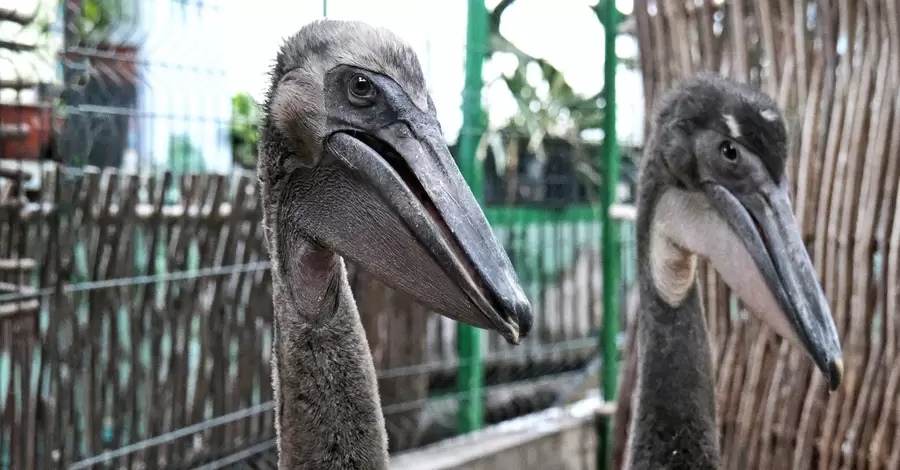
(26, 129)
(23, 130)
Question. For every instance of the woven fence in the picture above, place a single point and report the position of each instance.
(834, 67)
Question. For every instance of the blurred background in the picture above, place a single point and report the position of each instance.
(135, 297)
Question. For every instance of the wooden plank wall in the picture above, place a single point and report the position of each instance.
(834, 66)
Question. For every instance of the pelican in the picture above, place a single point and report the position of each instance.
(712, 185)
(353, 165)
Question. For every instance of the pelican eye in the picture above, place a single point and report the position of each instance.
(728, 151)
(361, 90)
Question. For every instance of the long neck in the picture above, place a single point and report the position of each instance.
(328, 414)
(675, 420)
(674, 424)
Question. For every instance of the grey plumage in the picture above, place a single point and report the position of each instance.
(322, 370)
(299, 111)
(353, 165)
(712, 185)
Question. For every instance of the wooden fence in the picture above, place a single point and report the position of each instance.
(834, 66)
(135, 310)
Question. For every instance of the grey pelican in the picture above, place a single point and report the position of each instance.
(353, 165)
(712, 185)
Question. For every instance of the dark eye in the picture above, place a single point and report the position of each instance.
(728, 151)
(362, 91)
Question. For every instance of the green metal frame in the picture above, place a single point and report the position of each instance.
(471, 373)
(504, 216)
(611, 248)
(470, 379)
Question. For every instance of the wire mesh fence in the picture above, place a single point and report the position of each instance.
(149, 319)
(135, 296)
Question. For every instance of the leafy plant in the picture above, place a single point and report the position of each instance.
(95, 18)
(559, 112)
(549, 109)
(245, 116)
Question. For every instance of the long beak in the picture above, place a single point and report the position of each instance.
(764, 222)
(410, 168)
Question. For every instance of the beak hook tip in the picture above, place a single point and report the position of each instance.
(514, 337)
(835, 373)
(511, 333)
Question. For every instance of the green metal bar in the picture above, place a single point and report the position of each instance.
(470, 381)
(519, 216)
(611, 249)
(324, 8)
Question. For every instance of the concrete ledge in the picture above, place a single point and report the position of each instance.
(553, 438)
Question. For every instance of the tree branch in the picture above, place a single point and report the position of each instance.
(494, 18)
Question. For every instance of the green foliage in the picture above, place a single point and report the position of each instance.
(96, 17)
(560, 112)
(245, 117)
(549, 109)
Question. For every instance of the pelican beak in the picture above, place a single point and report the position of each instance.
(782, 289)
(425, 232)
